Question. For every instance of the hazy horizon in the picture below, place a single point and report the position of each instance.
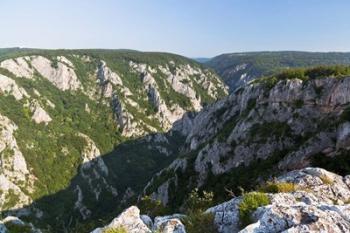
(189, 28)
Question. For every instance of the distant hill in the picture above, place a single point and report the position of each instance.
(201, 59)
(237, 69)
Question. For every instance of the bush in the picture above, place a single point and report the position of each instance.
(197, 222)
(328, 71)
(251, 201)
(18, 228)
(305, 74)
(152, 207)
(278, 187)
(115, 230)
(339, 164)
(292, 74)
(197, 202)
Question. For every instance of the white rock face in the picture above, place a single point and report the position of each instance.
(39, 114)
(65, 61)
(317, 205)
(182, 80)
(19, 67)
(126, 121)
(94, 171)
(8, 86)
(94, 168)
(63, 77)
(132, 222)
(14, 173)
(105, 74)
(181, 83)
(166, 116)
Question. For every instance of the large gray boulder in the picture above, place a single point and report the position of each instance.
(318, 204)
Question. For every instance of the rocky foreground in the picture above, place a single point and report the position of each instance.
(318, 202)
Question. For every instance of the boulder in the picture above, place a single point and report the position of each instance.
(130, 220)
(317, 204)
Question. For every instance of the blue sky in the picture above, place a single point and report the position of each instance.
(195, 28)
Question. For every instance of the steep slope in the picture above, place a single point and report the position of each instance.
(238, 69)
(261, 130)
(61, 110)
(317, 200)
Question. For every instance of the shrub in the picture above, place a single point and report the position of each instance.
(327, 71)
(197, 202)
(298, 103)
(197, 222)
(292, 74)
(268, 82)
(152, 207)
(251, 201)
(115, 230)
(339, 164)
(18, 228)
(278, 187)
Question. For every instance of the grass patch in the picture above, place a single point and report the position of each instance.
(278, 187)
(115, 230)
(197, 222)
(251, 201)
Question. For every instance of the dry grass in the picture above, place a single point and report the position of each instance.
(278, 187)
(326, 180)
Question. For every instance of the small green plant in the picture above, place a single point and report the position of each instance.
(115, 230)
(298, 103)
(197, 202)
(251, 201)
(152, 207)
(197, 222)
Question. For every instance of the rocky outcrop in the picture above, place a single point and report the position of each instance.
(129, 220)
(9, 87)
(13, 224)
(39, 114)
(182, 79)
(108, 79)
(291, 121)
(128, 124)
(319, 203)
(95, 173)
(132, 222)
(19, 67)
(165, 115)
(62, 76)
(169, 224)
(15, 179)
